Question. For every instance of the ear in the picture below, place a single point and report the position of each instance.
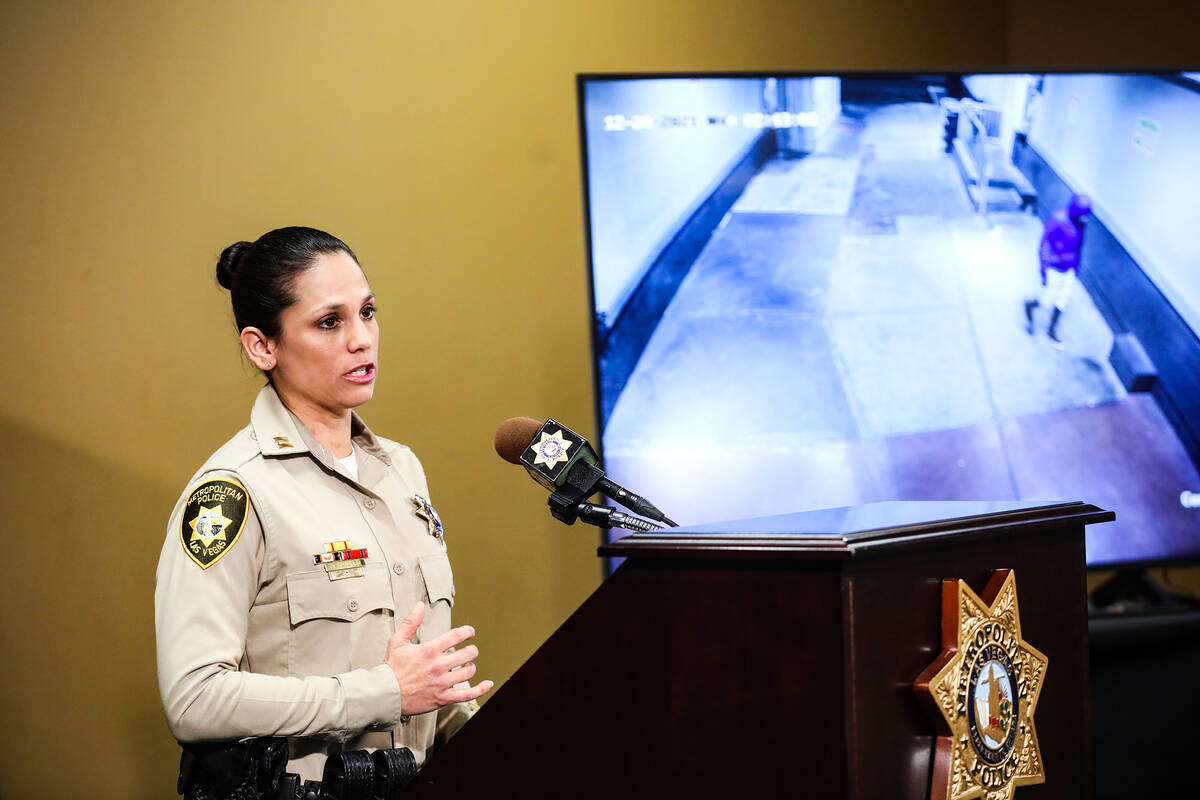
(259, 349)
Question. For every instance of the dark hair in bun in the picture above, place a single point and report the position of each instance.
(259, 275)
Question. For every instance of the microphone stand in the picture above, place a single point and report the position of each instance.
(566, 508)
(605, 517)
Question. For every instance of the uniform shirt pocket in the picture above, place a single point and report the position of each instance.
(439, 587)
(439, 580)
(337, 626)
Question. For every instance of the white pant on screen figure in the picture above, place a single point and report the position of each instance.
(1058, 290)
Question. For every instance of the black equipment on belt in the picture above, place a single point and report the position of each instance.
(393, 770)
(362, 775)
(348, 776)
(290, 788)
(231, 770)
(253, 770)
(354, 775)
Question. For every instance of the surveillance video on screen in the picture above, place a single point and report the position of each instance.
(821, 291)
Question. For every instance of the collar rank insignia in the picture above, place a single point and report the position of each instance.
(282, 442)
(213, 518)
(982, 691)
(425, 510)
(341, 560)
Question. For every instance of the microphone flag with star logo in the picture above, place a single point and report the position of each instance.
(554, 450)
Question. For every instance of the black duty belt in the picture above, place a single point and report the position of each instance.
(356, 775)
(254, 770)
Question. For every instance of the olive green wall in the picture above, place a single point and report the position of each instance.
(439, 139)
(1083, 34)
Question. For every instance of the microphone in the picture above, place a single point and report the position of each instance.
(561, 460)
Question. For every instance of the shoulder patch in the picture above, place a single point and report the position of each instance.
(213, 518)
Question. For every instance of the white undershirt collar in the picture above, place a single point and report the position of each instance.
(350, 462)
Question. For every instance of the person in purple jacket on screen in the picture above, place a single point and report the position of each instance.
(1059, 255)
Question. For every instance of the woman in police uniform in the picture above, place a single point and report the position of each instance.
(304, 589)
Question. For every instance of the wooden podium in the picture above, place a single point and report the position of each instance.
(779, 654)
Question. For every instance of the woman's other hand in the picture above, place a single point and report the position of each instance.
(427, 672)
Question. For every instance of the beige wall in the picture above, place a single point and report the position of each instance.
(439, 139)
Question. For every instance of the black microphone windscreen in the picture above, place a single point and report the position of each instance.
(514, 435)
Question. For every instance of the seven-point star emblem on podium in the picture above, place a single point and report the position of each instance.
(551, 448)
(983, 690)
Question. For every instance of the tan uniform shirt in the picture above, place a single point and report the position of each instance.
(254, 638)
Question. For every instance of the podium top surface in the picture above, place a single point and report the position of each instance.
(855, 530)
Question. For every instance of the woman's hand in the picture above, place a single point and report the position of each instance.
(426, 672)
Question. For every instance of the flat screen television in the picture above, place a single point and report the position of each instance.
(813, 291)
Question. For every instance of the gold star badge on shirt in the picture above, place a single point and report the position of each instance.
(425, 510)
